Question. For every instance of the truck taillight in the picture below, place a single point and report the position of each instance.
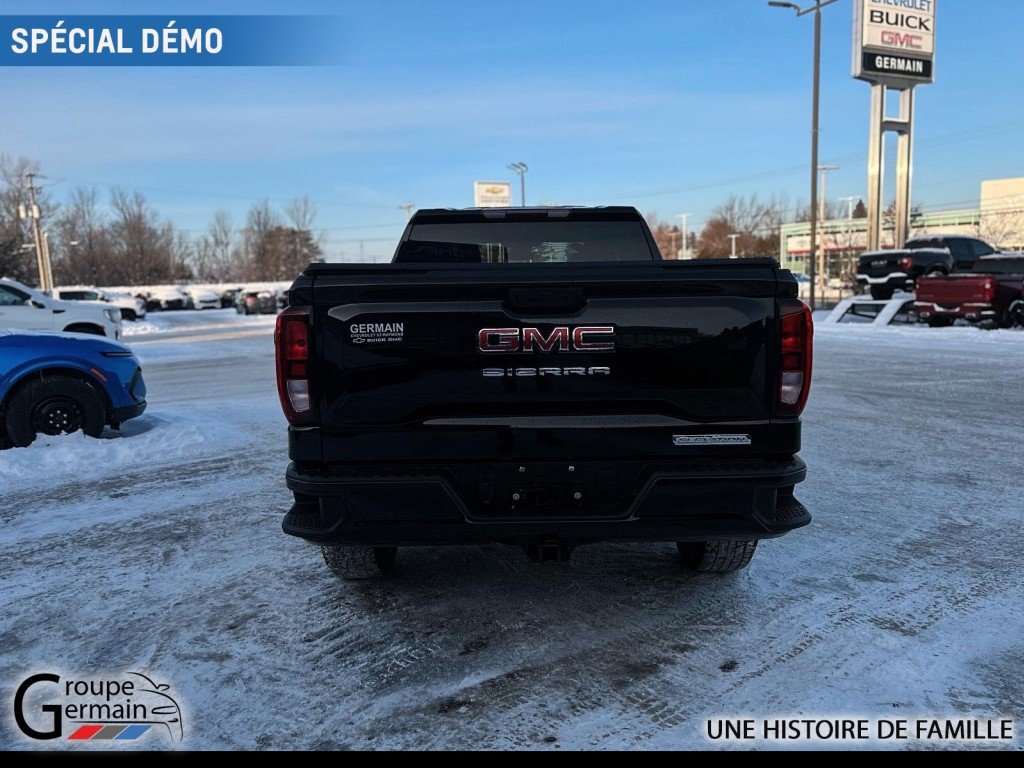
(797, 356)
(990, 291)
(907, 263)
(291, 346)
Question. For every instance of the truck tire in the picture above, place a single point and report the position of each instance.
(716, 556)
(359, 563)
(52, 406)
(129, 315)
(940, 322)
(882, 292)
(1015, 315)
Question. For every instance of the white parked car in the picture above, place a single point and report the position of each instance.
(205, 299)
(169, 298)
(26, 309)
(132, 307)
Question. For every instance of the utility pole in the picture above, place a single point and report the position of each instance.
(408, 208)
(849, 230)
(32, 212)
(521, 169)
(685, 246)
(47, 267)
(815, 121)
(823, 209)
(734, 238)
(822, 255)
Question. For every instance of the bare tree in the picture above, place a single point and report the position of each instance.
(300, 213)
(83, 250)
(144, 249)
(668, 238)
(1003, 228)
(755, 221)
(215, 256)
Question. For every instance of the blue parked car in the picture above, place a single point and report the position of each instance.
(59, 383)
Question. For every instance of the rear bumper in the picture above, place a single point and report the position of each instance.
(585, 502)
(969, 311)
(893, 280)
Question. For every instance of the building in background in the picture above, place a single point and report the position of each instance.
(999, 221)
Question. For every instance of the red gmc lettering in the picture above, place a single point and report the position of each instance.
(588, 338)
(898, 40)
(499, 340)
(580, 339)
(534, 339)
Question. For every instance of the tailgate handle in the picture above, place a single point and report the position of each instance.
(546, 300)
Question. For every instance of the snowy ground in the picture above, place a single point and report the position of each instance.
(161, 550)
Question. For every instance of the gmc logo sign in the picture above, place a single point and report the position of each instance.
(900, 40)
(584, 338)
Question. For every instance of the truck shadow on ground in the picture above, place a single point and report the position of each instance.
(468, 599)
(484, 628)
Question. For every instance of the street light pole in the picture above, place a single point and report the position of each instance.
(521, 169)
(815, 111)
(684, 247)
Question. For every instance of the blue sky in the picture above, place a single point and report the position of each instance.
(669, 106)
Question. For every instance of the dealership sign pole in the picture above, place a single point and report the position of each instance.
(894, 50)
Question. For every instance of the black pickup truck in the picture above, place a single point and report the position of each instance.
(883, 273)
(541, 378)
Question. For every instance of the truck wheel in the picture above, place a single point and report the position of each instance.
(882, 292)
(55, 405)
(129, 315)
(359, 563)
(940, 322)
(1015, 315)
(716, 556)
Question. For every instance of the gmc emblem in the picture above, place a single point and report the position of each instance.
(585, 338)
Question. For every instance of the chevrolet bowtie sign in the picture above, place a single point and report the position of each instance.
(492, 194)
(894, 42)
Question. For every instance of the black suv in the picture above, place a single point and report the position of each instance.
(885, 272)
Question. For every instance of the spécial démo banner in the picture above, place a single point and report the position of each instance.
(87, 40)
(232, 40)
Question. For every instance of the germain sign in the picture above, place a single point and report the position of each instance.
(894, 42)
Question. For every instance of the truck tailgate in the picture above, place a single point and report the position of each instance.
(880, 265)
(955, 290)
(551, 360)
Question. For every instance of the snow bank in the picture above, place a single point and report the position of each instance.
(194, 321)
(958, 339)
(149, 440)
(218, 288)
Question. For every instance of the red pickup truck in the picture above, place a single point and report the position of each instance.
(991, 294)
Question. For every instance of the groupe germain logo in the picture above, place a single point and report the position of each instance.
(116, 708)
(376, 333)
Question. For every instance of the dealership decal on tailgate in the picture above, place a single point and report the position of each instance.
(683, 440)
